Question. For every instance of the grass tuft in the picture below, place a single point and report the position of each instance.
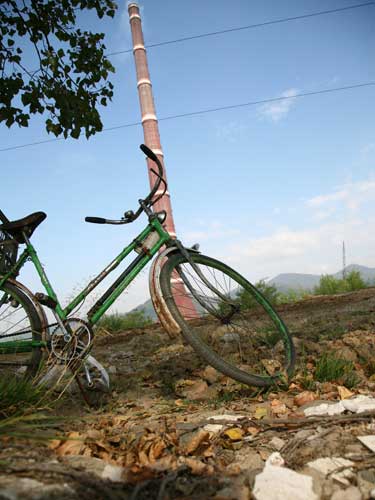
(18, 394)
(331, 368)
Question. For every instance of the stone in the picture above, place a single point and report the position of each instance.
(351, 493)
(368, 441)
(113, 472)
(276, 443)
(196, 390)
(96, 466)
(347, 353)
(248, 459)
(16, 488)
(281, 483)
(211, 375)
(327, 465)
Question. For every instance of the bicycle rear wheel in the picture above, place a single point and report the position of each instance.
(19, 324)
(238, 331)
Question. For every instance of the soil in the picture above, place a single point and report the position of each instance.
(150, 430)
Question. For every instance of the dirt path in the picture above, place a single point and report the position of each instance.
(151, 439)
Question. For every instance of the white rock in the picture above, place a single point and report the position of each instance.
(327, 465)
(214, 428)
(229, 418)
(357, 404)
(351, 493)
(281, 483)
(360, 403)
(275, 459)
(368, 441)
(325, 409)
(112, 472)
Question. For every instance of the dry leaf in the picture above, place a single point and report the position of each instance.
(54, 443)
(233, 469)
(198, 467)
(193, 440)
(156, 450)
(304, 397)
(72, 446)
(120, 420)
(143, 458)
(234, 434)
(344, 393)
(252, 430)
(278, 407)
(260, 412)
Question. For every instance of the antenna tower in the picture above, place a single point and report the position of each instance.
(343, 261)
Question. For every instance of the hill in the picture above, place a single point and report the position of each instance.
(286, 282)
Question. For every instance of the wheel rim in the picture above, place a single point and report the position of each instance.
(237, 324)
(16, 324)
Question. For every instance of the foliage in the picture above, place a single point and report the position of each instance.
(118, 322)
(292, 296)
(329, 285)
(331, 368)
(247, 301)
(70, 79)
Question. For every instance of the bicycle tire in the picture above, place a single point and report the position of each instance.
(19, 320)
(207, 333)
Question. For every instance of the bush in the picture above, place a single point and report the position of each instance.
(117, 322)
(329, 285)
(355, 281)
(270, 292)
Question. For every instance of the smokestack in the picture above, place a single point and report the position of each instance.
(149, 119)
(152, 140)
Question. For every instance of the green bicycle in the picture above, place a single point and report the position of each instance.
(226, 320)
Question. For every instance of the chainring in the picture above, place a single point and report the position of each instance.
(78, 346)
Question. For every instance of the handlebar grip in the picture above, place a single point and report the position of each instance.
(148, 152)
(96, 220)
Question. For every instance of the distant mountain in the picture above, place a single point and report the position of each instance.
(367, 273)
(286, 282)
(295, 281)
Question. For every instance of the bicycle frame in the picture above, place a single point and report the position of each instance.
(108, 297)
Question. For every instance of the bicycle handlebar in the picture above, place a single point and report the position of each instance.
(130, 216)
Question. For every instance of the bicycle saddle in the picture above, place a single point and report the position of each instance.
(27, 225)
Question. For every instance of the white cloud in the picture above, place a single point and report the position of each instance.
(315, 251)
(277, 110)
(232, 131)
(351, 195)
(367, 150)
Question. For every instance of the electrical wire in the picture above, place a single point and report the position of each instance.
(209, 110)
(250, 26)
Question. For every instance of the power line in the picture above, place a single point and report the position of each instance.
(240, 28)
(209, 110)
(250, 26)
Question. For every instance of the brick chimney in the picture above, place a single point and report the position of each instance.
(152, 140)
(149, 119)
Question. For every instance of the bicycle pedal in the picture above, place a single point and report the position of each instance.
(45, 300)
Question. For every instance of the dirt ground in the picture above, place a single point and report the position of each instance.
(153, 436)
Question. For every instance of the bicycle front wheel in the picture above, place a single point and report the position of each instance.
(237, 330)
(20, 333)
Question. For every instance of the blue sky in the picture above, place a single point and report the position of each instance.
(270, 188)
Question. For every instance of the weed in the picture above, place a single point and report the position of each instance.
(119, 322)
(17, 394)
(331, 368)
